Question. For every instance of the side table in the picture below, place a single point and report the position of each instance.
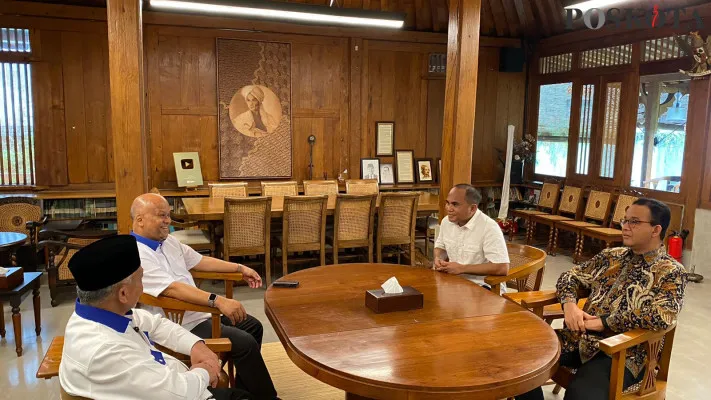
(15, 297)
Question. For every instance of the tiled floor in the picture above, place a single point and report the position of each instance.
(688, 380)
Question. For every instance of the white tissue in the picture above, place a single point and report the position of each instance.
(3, 271)
(392, 286)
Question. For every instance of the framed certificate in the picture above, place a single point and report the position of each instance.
(187, 169)
(384, 138)
(404, 165)
(425, 173)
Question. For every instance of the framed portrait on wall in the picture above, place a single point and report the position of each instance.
(404, 166)
(384, 138)
(370, 168)
(425, 173)
(387, 175)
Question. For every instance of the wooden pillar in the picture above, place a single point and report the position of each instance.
(127, 111)
(460, 95)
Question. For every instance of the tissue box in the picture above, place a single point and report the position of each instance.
(381, 302)
(14, 278)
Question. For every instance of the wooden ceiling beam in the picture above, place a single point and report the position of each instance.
(556, 11)
(527, 27)
(487, 19)
(424, 15)
(497, 9)
(543, 20)
(512, 18)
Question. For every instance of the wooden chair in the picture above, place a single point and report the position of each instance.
(190, 233)
(396, 224)
(597, 211)
(611, 234)
(59, 247)
(425, 229)
(288, 188)
(526, 268)
(22, 215)
(247, 225)
(569, 205)
(353, 223)
(316, 188)
(304, 228)
(49, 368)
(656, 373)
(362, 186)
(547, 203)
(222, 190)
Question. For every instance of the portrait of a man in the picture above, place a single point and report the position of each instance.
(370, 169)
(424, 171)
(262, 114)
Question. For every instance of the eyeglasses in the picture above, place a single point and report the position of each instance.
(633, 222)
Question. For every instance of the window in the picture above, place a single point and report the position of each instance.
(16, 116)
(610, 128)
(553, 128)
(660, 135)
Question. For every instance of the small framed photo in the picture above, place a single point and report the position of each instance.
(387, 176)
(384, 138)
(370, 168)
(424, 170)
(405, 166)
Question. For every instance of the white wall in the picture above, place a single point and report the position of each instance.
(701, 249)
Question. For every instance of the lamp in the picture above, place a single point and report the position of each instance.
(300, 13)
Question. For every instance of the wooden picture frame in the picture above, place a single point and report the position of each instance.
(384, 138)
(366, 173)
(387, 174)
(424, 170)
(405, 166)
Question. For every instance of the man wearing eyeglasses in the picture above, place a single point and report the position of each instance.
(635, 286)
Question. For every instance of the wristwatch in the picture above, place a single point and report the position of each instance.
(211, 300)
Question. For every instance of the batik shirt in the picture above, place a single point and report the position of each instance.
(627, 291)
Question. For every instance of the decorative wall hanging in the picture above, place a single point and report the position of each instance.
(700, 51)
(254, 105)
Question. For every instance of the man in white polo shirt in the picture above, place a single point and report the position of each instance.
(166, 271)
(470, 243)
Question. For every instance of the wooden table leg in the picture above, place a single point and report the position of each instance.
(17, 326)
(36, 304)
(2, 321)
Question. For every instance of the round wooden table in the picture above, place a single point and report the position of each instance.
(9, 242)
(465, 343)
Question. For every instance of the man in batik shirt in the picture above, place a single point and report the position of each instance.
(636, 286)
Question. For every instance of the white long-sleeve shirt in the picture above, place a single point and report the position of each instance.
(109, 356)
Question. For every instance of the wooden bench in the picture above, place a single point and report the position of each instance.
(49, 368)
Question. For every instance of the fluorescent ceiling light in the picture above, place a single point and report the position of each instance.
(584, 5)
(285, 11)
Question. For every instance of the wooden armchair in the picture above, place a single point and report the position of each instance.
(247, 224)
(612, 233)
(597, 212)
(49, 368)
(175, 310)
(547, 203)
(397, 214)
(304, 228)
(59, 247)
(656, 373)
(22, 215)
(568, 210)
(526, 268)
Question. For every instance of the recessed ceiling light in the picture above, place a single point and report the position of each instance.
(287, 11)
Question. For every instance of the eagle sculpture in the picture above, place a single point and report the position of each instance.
(700, 50)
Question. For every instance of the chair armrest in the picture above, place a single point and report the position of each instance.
(183, 225)
(175, 304)
(30, 225)
(515, 273)
(533, 299)
(623, 341)
(219, 345)
(58, 243)
(218, 276)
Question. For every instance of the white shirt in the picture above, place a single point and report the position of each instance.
(479, 241)
(164, 263)
(105, 358)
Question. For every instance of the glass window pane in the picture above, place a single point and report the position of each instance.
(586, 118)
(553, 129)
(661, 132)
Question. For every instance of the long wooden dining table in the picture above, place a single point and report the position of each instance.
(213, 209)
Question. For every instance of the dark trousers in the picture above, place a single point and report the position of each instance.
(246, 338)
(229, 394)
(591, 381)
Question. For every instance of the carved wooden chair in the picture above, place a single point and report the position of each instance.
(657, 343)
(547, 203)
(303, 229)
(353, 223)
(222, 190)
(597, 211)
(59, 247)
(568, 210)
(526, 268)
(362, 186)
(396, 225)
(317, 188)
(247, 225)
(612, 233)
(288, 188)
